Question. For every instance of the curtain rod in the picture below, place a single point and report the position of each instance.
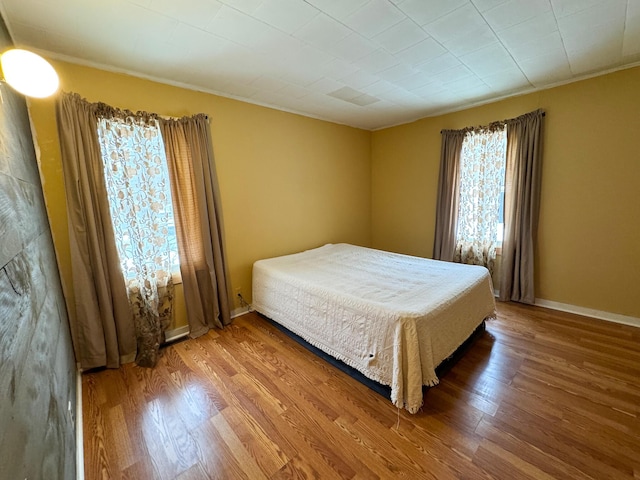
(544, 114)
(169, 117)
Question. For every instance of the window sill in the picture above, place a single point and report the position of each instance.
(176, 277)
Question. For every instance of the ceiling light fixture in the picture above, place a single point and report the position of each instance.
(28, 73)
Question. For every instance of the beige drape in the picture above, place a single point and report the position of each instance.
(102, 329)
(448, 195)
(198, 219)
(521, 207)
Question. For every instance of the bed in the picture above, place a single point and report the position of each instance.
(392, 317)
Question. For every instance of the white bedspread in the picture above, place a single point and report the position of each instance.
(392, 317)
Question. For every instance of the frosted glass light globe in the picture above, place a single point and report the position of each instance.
(28, 73)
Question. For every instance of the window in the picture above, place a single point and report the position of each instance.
(137, 182)
(481, 199)
(465, 235)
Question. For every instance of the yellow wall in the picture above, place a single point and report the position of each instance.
(287, 182)
(589, 236)
(290, 182)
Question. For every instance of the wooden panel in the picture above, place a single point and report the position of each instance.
(37, 367)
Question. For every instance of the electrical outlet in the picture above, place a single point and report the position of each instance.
(242, 302)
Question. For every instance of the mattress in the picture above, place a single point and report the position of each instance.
(392, 317)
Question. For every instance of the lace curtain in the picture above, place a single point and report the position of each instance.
(482, 170)
(137, 183)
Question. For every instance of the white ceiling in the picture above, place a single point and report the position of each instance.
(365, 63)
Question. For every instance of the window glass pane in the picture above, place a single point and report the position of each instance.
(500, 226)
(137, 182)
(482, 172)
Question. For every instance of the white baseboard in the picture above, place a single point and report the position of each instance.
(589, 312)
(237, 312)
(176, 333)
(79, 434)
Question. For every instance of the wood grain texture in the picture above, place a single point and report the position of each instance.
(37, 368)
(539, 395)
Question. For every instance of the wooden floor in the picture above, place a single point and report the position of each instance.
(539, 395)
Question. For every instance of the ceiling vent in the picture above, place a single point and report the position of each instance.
(350, 95)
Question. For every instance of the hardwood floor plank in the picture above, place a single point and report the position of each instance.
(266, 453)
(556, 378)
(214, 456)
(445, 407)
(463, 444)
(254, 411)
(551, 465)
(582, 453)
(538, 395)
(384, 465)
(119, 435)
(336, 439)
(264, 387)
(363, 402)
(100, 459)
(171, 447)
(190, 400)
(507, 464)
(238, 451)
(438, 451)
(614, 443)
(143, 468)
(194, 473)
(297, 468)
(317, 441)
